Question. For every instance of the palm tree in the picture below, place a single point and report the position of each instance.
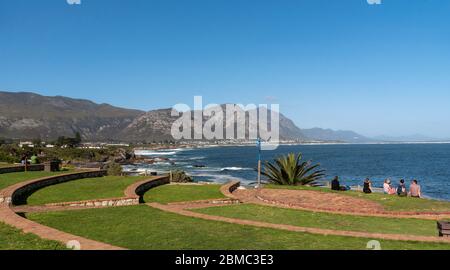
(289, 170)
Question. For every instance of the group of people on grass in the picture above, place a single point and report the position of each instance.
(33, 160)
(401, 190)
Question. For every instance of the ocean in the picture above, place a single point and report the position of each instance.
(428, 163)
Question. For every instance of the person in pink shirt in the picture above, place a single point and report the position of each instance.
(415, 190)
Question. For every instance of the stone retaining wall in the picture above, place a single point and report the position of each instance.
(137, 190)
(133, 195)
(21, 168)
(229, 188)
(18, 194)
(111, 202)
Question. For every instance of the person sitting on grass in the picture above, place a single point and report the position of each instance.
(387, 187)
(367, 186)
(415, 190)
(335, 185)
(401, 189)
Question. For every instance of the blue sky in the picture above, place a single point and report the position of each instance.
(375, 69)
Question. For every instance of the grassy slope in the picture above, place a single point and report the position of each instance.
(181, 193)
(324, 220)
(389, 202)
(142, 227)
(13, 239)
(84, 189)
(10, 179)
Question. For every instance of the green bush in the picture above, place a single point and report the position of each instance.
(8, 158)
(291, 170)
(181, 177)
(114, 169)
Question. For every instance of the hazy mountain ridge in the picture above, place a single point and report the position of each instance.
(336, 135)
(409, 138)
(27, 115)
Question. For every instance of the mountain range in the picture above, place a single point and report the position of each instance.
(26, 115)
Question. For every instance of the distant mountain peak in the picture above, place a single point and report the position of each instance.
(26, 115)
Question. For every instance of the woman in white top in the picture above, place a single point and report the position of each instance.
(387, 187)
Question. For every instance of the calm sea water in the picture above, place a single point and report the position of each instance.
(428, 163)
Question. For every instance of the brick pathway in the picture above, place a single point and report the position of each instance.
(180, 209)
(9, 217)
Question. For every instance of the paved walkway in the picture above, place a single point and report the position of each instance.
(181, 209)
(11, 218)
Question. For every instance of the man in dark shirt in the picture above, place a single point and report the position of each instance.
(335, 185)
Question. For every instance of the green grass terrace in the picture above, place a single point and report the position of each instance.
(183, 193)
(85, 189)
(148, 228)
(143, 227)
(13, 239)
(9, 179)
(389, 202)
(312, 219)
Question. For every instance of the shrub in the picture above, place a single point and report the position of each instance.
(289, 170)
(181, 177)
(114, 169)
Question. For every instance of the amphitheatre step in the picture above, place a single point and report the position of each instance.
(317, 201)
(20, 191)
(176, 209)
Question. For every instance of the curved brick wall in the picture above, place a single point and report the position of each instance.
(21, 191)
(229, 188)
(137, 190)
(133, 195)
(21, 168)
(18, 194)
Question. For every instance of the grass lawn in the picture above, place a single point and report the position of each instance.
(84, 189)
(13, 239)
(180, 193)
(143, 227)
(389, 202)
(9, 179)
(324, 220)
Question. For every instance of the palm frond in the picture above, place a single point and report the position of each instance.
(289, 170)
